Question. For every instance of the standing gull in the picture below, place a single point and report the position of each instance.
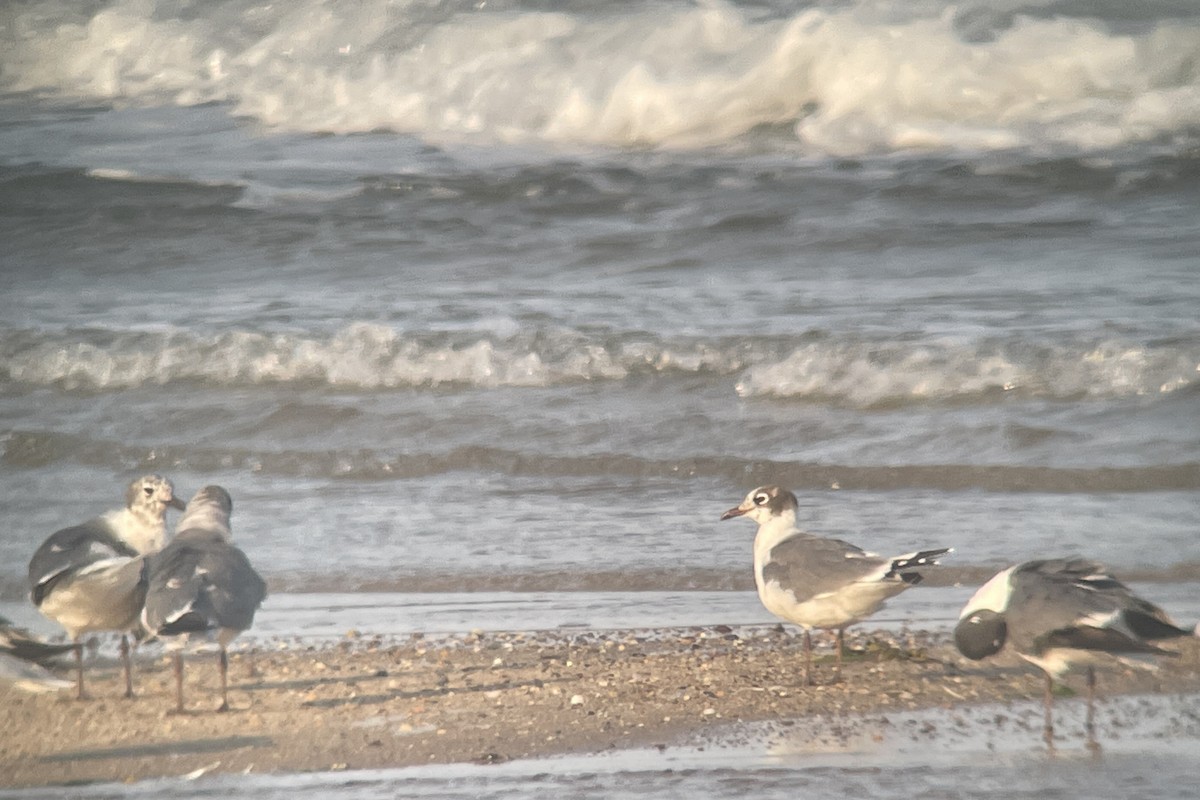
(1060, 613)
(817, 582)
(89, 577)
(201, 584)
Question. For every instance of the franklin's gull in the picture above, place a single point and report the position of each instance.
(1061, 613)
(89, 577)
(202, 584)
(817, 582)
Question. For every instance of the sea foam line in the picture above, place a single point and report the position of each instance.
(371, 357)
(844, 80)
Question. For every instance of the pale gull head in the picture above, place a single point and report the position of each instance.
(150, 495)
(142, 523)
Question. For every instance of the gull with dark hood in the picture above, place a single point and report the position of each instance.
(1059, 614)
(817, 582)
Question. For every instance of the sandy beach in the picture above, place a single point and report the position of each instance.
(369, 702)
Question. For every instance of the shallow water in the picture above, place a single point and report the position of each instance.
(306, 619)
(465, 299)
(1149, 750)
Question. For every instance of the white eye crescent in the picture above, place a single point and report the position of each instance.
(761, 499)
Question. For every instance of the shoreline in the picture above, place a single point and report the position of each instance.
(369, 702)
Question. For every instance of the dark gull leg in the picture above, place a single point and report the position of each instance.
(838, 667)
(808, 679)
(1048, 702)
(127, 661)
(80, 694)
(251, 664)
(223, 665)
(178, 665)
(1090, 725)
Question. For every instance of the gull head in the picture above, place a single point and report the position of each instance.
(764, 504)
(980, 634)
(210, 509)
(151, 495)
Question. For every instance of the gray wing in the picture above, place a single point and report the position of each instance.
(238, 591)
(812, 565)
(1077, 604)
(69, 550)
(200, 582)
(1082, 573)
(172, 588)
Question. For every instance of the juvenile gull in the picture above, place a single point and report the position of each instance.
(22, 656)
(1061, 613)
(202, 584)
(89, 577)
(817, 582)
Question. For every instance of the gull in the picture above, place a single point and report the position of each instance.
(817, 582)
(88, 577)
(22, 656)
(1058, 614)
(202, 584)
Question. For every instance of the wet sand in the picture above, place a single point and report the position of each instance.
(370, 702)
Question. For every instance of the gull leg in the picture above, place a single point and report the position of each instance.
(1048, 703)
(177, 663)
(251, 665)
(808, 679)
(223, 666)
(127, 662)
(80, 694)
(838, 667)
(1090, 725)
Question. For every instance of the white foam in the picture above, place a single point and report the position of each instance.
(371, 356)
(134, 176)
(846, 79)
(868, 374)
(361, 356)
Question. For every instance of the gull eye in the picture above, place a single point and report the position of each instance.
(761, 499)
(149, 490)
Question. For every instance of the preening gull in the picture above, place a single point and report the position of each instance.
(817, 582)
(89, 577)
(22, 656)
(202, 584)
(1058, 614)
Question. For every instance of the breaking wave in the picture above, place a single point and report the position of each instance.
(889, 374)
(358, 357)
(374, 357)
(841, 78)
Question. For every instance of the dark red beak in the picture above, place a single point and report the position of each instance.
(736, 511)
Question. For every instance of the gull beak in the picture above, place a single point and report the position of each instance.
(737, 511)
(175, 502)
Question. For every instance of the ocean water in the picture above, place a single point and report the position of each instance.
(518, 297)
(986, 753)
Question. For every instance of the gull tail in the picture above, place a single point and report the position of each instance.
(905, 566)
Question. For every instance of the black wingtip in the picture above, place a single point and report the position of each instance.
(924, 558)
(186, 623)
